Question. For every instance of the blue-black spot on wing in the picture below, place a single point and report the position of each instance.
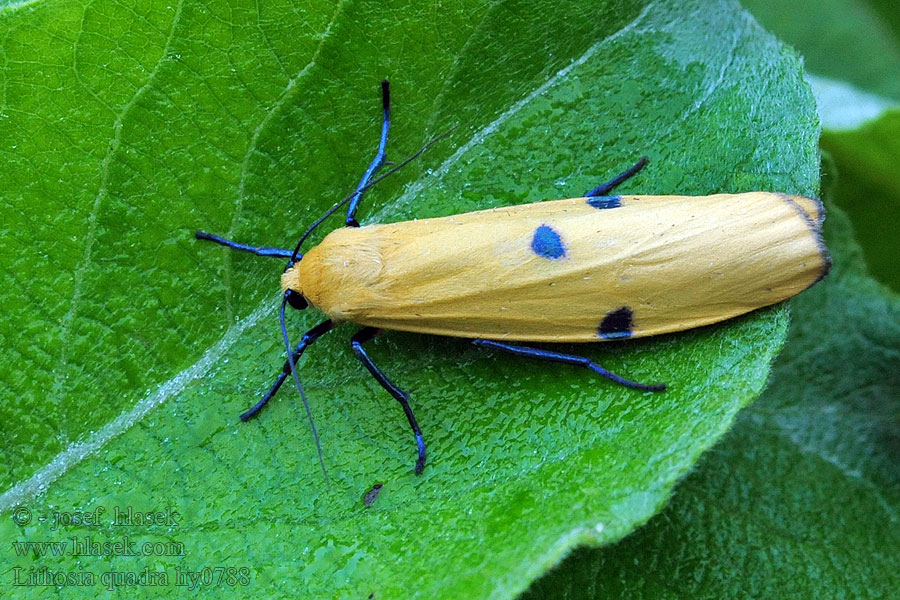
(546, 243)
(617, 324)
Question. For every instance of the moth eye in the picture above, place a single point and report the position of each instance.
(296, 300)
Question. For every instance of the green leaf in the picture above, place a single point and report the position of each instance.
(136, 347)
(868, 188)
(844, 107)
(853, 41)
(801, 499)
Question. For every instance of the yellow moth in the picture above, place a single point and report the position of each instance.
(587, 269)
(577, 270)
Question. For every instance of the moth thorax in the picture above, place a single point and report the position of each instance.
(290, 279)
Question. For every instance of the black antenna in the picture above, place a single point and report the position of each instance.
(312, 425)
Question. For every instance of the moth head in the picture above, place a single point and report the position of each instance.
(290, 286)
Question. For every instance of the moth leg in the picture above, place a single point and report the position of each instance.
(362, 336)
(377, 162)
(306, 341)
(604, 189)
(257, 250)
(569, 359)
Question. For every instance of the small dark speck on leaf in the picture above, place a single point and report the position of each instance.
(371, 496)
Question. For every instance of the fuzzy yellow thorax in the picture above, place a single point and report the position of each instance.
(290, 279)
